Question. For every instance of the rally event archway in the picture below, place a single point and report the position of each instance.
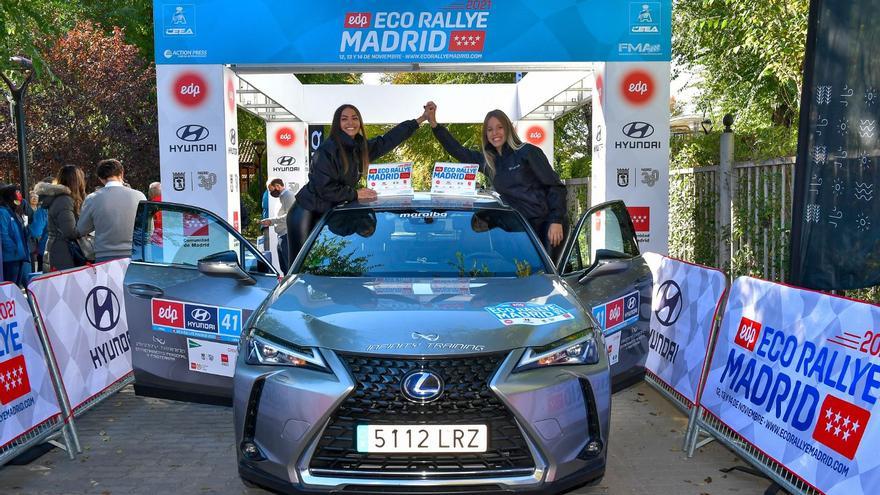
(215, 55)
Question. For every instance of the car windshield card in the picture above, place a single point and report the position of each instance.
(454, 178)
(390, 179)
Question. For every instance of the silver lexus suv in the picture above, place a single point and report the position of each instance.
(419, 344)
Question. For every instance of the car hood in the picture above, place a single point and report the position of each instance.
(412, 316)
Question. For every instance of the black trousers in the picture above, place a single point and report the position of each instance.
(542, 228)
(300, 223)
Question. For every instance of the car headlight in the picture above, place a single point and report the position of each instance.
(578, 348)
(266, 350)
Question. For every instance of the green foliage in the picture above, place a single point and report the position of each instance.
(749, 53)
(327, 258)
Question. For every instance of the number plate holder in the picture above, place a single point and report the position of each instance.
(422, 438)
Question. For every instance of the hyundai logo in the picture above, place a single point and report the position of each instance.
(102, 308)
(668, 303)
(422, 386)
(638, 130)
(192, 133)
(286, 160)
(200, 314)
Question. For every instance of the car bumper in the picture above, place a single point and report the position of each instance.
(558, 411)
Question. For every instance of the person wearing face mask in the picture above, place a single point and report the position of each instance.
(337, 167)
(276, 189)
(520, 173)
(14, 236)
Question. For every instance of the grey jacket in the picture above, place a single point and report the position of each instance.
(280, 221)
(61, 227)
(110, 212)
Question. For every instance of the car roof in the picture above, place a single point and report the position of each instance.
(428, 200)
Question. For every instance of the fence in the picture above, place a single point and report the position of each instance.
(760, 216)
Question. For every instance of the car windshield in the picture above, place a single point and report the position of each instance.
(424, 243)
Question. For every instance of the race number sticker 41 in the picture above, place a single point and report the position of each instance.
(518, 313)
(196, 320)
(615, 315)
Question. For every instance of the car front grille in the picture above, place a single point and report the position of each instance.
(377, 399)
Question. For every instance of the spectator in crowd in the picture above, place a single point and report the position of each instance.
(38, 234)
(62, 201)
(277, 189)
(265, 230)
(110, 212)
(155, 191)
(14, 236)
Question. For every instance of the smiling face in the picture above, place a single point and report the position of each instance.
(350, 122)
(495, 133)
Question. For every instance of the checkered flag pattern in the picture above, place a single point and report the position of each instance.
(27, 396)
(83, 311)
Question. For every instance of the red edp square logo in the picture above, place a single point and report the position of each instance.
(614, 313)
(167, 313)
(358, 20)
(747, 333)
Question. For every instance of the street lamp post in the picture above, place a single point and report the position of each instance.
(18, 93)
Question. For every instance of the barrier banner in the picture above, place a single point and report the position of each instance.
(686, 300)
(796, 374)
(84, 316)
(27, 397)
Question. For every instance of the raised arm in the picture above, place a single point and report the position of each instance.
(382, 145)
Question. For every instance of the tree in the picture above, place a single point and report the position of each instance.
(100, 103)
(750, 55)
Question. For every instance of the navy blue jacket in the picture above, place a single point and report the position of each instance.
(328, 185)
(524, 178)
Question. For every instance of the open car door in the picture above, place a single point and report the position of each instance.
(192, 283)
(602, 263)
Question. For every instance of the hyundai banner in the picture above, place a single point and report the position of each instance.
(631, 146)
(796, 374)
(287, 153)
(338, 32)
(84, 316)
(27, 396)
(686, 300)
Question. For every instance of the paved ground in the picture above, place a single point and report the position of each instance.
(157, 447)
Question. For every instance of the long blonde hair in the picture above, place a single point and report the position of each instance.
(511, 138)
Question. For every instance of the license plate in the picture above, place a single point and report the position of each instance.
(422, 438)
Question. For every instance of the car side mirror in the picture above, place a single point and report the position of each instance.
(225, 265)
(606, 262)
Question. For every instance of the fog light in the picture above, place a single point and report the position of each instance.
(251, 451)
(593, 448)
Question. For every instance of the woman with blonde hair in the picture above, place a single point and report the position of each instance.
(520, 173)
(62, 200)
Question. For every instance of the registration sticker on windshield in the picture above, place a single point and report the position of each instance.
(518, 313)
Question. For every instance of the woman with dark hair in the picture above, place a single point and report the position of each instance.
(14, 236)
(336, 168)
(62, 200)
(520, 173)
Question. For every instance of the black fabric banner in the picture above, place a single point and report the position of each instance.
(836, 214)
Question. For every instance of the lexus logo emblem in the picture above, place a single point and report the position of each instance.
(192, 133)
(102, 308)
(422, 386)
(286, 160)
(669, 303)
(638, 130)
(431, 337)
(200, 314)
